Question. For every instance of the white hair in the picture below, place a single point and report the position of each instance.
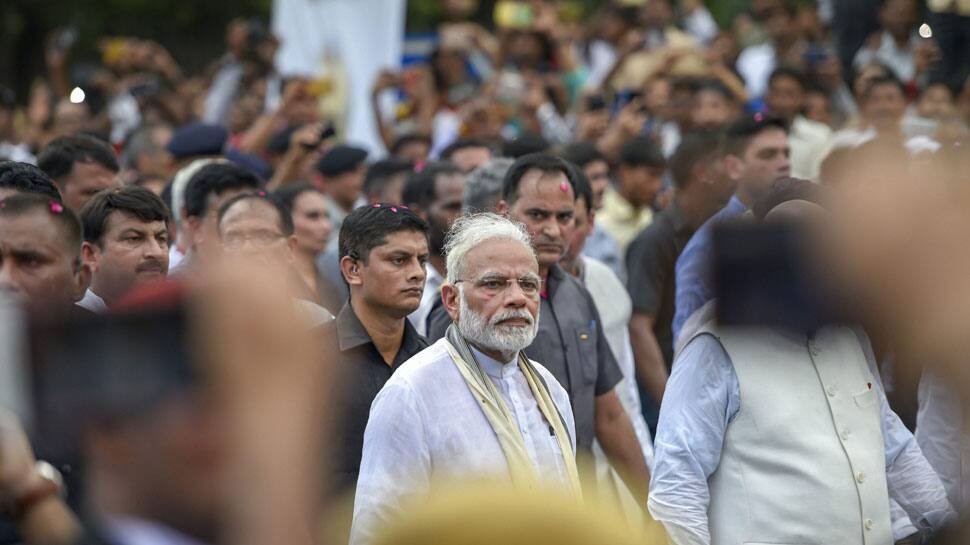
(471, 230)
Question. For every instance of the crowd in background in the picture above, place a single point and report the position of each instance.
(658, 122)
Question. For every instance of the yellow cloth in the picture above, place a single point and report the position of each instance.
(621, 220)
(504, 423)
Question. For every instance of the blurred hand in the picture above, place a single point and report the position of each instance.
(927, 54)
(386, 79)
(633, 40)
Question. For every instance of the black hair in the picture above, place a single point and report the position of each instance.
(696, 147)
(582, 187)
(887, 79)
(26, 178)
(716, 86)
(213, 179)
(791, 72)
(132, 200)
(461, 144)
(57, 158)
(544, 162)
(289, 193)
(409, 139)
(368, 227)
(525, 144)
(283, 213)
(8, 99)
(788, 189)
(582, 153)
(419, 188)
(66, 220)
(380, 173)
(740, 133)
(641, 151)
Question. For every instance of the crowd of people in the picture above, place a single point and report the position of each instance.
(523, 289)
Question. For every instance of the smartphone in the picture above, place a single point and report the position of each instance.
(326, 132)
(624, 97)
(595, 103)
(764, 275)
(516, 15)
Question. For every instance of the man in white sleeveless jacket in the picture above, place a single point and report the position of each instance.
(767, 436)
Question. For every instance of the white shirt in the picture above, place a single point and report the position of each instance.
(939, 432)
(755, 64)
(93, 302)
(703, 396)
(615, 308)
(426, 426)
(432, 285)
(900, 59)
(135, 531)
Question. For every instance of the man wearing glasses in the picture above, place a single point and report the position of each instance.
(471, 405)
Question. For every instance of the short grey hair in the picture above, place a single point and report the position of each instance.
(483, 189)
(474, 229)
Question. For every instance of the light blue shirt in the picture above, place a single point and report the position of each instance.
(692, 276)
(603, 248)
(702, 398)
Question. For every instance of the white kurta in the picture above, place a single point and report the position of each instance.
(425, 426)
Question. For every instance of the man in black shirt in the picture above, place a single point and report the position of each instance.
(383, 252)
(701, 190)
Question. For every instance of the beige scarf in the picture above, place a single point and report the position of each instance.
(503, 422)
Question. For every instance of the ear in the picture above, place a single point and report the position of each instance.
(734, 166)
(82, 279)
(291, 244)
(502, 208)
(450, 300)
(350, 271)
(89, 255)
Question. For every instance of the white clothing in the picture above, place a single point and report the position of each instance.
(426, 426)
(755, 65)
(135, 531)
(93, 302)
(432, 287)
(939, 432)
(900, 59)
(809, 142)
(615, 309)
(704, 398)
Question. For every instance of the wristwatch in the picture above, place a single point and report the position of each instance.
(51, 483)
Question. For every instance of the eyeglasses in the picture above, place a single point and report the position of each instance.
(495, 284)
(259, 239)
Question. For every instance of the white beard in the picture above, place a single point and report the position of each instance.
(484, 333)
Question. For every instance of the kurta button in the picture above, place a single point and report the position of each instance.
(860, 477)
(868, 524)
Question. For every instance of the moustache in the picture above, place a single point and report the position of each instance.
(512, 314)
(151, 265)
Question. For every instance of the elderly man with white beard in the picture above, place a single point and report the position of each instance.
(471, 405)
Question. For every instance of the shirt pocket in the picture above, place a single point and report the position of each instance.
(865, 398)
(586, 348)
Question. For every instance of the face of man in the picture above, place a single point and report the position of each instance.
(712, 110)
(160, 162)
(311, 222)
(416, 151)
(640, 184)
(445, 209)
(204, 231)
(468, 159)
(131, 252)
(884, 106)
(581, 231)
(785, 97)
(764, 160)
(85, 181)
(347, 187)
(37, 264)
(598, 173)
(817, 108)
(936, 102)
(496, 305)
(251, 228)
(546, 206)
(392, 277)
(898, 17)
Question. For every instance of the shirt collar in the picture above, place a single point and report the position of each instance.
(677, 217)
(556, 274)
(136, 531)
(93, 302)
(351, 334)
(492, 366)
(735, 205)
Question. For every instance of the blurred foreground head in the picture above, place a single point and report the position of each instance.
(900, 244)
(453, 516)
